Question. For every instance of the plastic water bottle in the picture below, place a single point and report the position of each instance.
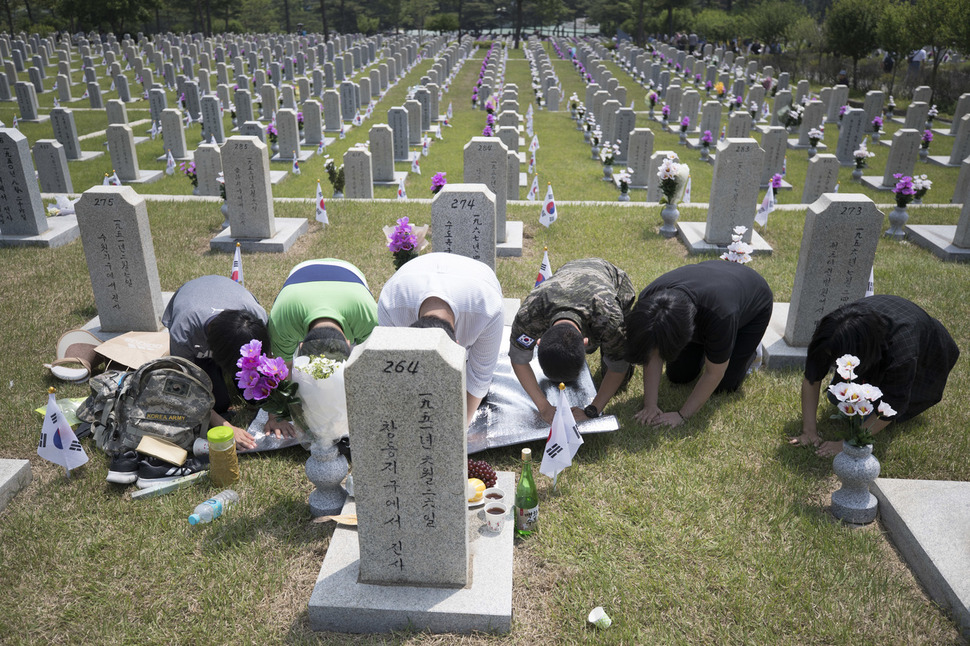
(213, 507)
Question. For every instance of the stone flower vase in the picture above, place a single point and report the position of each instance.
(224, 209)
(924, 153)
(856, 468)
(705, 153)
(275, 147)
(624, 195)
(595, 150)
(326, 468)
(857, 174)
(875, 137)
(897, 223)
(669, 215)
(607, 172)
(683, 138)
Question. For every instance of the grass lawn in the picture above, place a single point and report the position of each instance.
(715, 532)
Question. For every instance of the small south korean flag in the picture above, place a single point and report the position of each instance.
(548, 215)
(321, 206)
(401, 192)
(58, 444)
(416, 166)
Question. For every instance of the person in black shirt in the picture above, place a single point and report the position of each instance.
(709, 316)
(902, 350)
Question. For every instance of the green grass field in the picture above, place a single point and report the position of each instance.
(715, 532)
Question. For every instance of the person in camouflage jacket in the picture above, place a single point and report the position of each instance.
(579, 309)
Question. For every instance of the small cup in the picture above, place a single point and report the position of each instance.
(495, 513)
(599, 618)
(494, 494)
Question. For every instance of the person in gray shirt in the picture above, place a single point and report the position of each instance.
(208, 319)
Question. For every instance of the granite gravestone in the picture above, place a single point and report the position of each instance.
(406, 403)
(382, 153)
(173, 134)
(212, 126)
(52, 172)
(774, 141)
(850, 136)
(65, 131)
(397, 118)
(463, 220)
(916, 116)
(837, 251)
(21, 210)
(822, 177)
(117, 112)
(638, 157)
(312, 122)
(739, 125)
(331, 111)
(249, 196)
(963, 108)
(902, 159)
(734, 190)
(812, 117)
(358, 173)
(414, 122)
(120, 256)
(27, 102)
(486, 162)
(208, 165)
(124, 159)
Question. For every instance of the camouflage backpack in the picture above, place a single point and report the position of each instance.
(169, 398)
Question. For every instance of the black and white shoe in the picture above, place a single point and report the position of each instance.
(123, 468)
(152, 471)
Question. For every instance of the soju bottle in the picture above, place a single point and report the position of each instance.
(526, 498)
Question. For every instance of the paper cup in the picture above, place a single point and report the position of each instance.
(599, 618)
(491, 492)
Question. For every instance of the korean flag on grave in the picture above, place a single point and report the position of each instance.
(545, 269)
(449, 112)
(871, 287)
(401, 192)
(534, 144)
(534, 190)
(321, 206)
(155, 130)
(85, 95)
(236, 272)
(321, 146)
(169, 163)
(767, 206)
(58, 444)
(548, 215)
(296, 165)
(416, 166)
(564, 439)
(532, 164)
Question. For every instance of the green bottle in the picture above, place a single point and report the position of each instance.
(526, 498)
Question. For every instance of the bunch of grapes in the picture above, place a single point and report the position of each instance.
(483, 471)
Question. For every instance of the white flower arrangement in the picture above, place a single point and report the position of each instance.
(673, 179)
(856, 400)
(738, 251)
(322, 395)
(609, 152)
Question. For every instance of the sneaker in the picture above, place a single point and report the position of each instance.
(123, 468)
(152, 471)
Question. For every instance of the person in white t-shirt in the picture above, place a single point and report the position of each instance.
(458, 294)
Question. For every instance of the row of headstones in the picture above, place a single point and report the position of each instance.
(549, 84)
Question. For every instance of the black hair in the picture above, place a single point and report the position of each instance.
(851, 329)
(561, 353)
(435, 322)
(228, 331)
(663, 320)
(327, 341)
